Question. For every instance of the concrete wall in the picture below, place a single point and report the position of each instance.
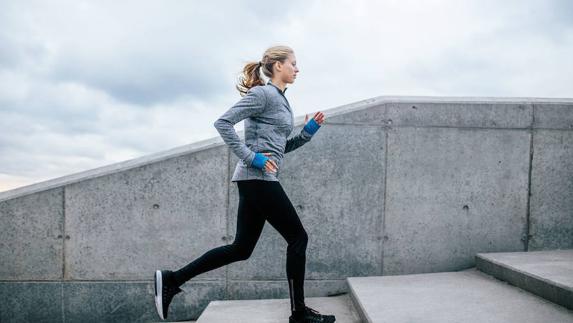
(389, 185)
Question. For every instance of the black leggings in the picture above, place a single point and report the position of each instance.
(259, 200)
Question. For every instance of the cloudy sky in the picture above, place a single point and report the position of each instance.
(85, 84)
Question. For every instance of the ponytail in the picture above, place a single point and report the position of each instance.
(251, 74)
(250, 77)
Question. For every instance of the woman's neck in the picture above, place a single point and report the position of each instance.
(280, 84)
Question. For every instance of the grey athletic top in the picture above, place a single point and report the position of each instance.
(269, 121)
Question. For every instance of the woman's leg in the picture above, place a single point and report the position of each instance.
(275, 205)
(249, 227)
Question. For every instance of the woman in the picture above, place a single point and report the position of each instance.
(269, 120)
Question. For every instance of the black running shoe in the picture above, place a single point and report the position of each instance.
(312, 316)
(164, 291)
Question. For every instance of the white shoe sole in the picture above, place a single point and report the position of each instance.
(158, 290)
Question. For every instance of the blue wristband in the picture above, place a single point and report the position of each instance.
(311, 127)
(259, 161)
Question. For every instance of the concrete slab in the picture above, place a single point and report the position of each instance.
(551, 205)
(158, 216)
(451, 193)
(464, 296)
(276, 310)
(32, 236)
(548, 274)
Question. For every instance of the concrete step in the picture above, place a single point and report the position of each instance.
(548, 274)
(462, 296)
(275, 310)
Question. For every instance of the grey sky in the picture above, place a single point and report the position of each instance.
(88, 83)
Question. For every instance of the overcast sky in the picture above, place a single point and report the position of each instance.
(85, 84)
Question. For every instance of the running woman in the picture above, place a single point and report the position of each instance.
(269, 120)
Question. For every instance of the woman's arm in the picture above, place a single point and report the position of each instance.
(252, 104)
(300, 139)
(303, 136)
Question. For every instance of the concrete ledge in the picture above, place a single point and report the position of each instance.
(548, 274)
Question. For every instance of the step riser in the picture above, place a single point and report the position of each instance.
(532, 284)
(356, 302)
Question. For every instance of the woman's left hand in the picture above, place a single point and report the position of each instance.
(318, 117)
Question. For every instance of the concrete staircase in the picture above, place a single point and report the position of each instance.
(548, 274)
(534, 286)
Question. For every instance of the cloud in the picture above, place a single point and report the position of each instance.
(89, 83)
(136, 51)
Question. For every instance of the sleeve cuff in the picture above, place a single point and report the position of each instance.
(311, 127)
(259, 161)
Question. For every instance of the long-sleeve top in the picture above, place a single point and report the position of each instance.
(269, 122)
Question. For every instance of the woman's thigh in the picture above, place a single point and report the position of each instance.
(274, 205)
(250, 221)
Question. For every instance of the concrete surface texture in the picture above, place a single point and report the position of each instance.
(388, 186)
(548, 274)
(276, 310)
(465, 296)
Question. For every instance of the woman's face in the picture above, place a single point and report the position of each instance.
(289, 69)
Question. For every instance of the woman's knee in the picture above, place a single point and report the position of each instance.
(242, 252)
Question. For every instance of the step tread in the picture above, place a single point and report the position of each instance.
(463, 296)
(552, 266)
(548, 274)
(275, 310)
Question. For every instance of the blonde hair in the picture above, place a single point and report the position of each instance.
(251, 74)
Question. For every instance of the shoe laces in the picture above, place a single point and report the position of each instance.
(312, 315)
(310, 310)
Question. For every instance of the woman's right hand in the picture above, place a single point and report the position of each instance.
(270, 165)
